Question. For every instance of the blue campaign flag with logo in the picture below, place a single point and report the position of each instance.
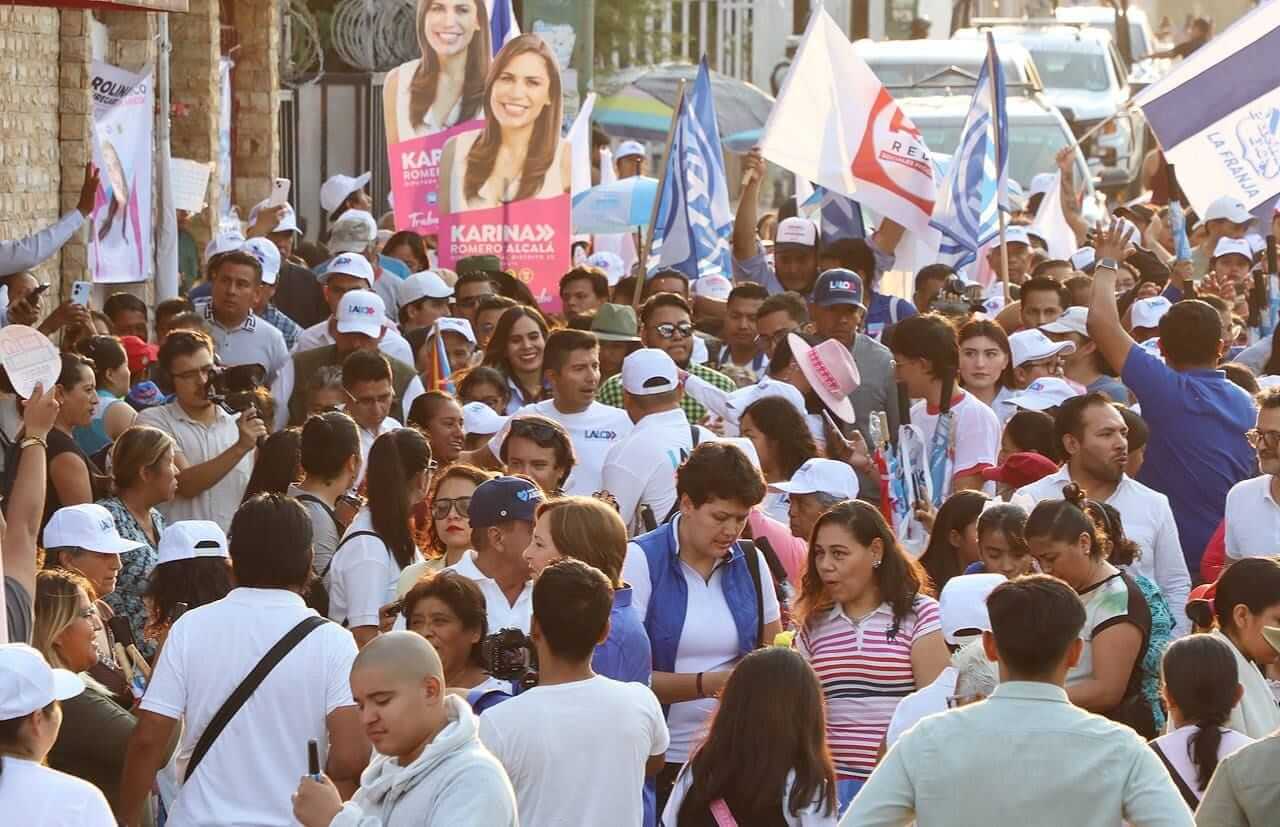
(967, 212)
(695, 224)
(838, 216)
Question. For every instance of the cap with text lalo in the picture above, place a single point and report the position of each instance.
(838, 286)
(1015, 234)
(86, 526)
(456, 324)
(502, 499)
(354, 232)
(189, 539)
(348, 264)
(649, 371)
(338, 188)
(796, 233)
(362, 311)
(821, 476)
(963, 605)
(27, 682)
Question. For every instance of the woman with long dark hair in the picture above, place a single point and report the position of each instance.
(1246, 601)
(279, 464)
(764, 759)
(782, 442)
(445, 86)
(519, 154)
(1002, 546)
(515, 351)
(953, 542)
(870, 630)
(986, 363)
(378, 544)
(1201, 686)
(111, 373)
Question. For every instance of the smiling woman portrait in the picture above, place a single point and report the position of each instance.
(519, 154)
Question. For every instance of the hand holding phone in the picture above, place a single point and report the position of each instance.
(80, 293)
(313, 759)
(279, 193)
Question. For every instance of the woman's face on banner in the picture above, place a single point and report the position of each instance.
(521, 92)
(450, 25)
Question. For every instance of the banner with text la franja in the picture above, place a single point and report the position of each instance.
(123, 114)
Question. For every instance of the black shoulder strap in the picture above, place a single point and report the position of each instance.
(753, 566)
(1188, 795)
(342, 543)
(694, 436)
(312, 498)
(247, 686)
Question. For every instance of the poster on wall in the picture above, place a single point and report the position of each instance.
(504, 188)
(123, 114)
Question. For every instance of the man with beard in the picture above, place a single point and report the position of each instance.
(1094, 438)
(1253, 515)
(666, 323)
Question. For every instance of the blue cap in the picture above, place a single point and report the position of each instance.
(838, 286)
(501, 499)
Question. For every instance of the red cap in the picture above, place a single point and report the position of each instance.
(140, 354)
(1021, 469)
(1205, 591)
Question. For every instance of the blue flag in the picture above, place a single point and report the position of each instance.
(502, 24)
(838, 216)
(695, 225)
(967, 212)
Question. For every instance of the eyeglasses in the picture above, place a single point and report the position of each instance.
(669, 330)
(772, 339)
(1271, 439)
(470, 301)
(536, 431)
(441, 507)
(380, 399)
(201, 373)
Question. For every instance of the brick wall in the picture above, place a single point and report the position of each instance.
(194, 88)
(256, 90)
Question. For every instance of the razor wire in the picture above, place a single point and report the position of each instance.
(374, 35)
(302, 58)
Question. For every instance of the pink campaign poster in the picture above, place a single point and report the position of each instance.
(415, 177)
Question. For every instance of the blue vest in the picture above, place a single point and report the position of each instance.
(669, 598)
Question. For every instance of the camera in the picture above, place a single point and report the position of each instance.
(235, 388)
(958, 298)
(509, 655)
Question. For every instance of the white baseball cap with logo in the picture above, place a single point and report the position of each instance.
(337, 188)
(629, 149)
(1015, 234)
(268, 256)
(189, 539)
(962, 606)
(649, 371)
(27, 683)
(821, 476)
(348, 264)
(354, 232)
(422, 285)
(1226, 207)
(1044, 393)
(1233, 247)
(456, 324)
(1042, 183)
(796, 232)
(479, 418)
(1149, 312)
(86, 526)
(1032, 346)
(712, 286)
(223, 243)
(287, 223)
(361, 311)
(1073, 320)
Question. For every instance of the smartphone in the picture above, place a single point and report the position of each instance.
(313, 759)
(279, 192)
(80, 292)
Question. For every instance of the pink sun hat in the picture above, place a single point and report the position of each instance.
(831, 372)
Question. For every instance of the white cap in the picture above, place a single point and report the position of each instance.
(348, 264)
(797, 231)
(335, 190)
(268, 256)
(1233, 246)
(224, 243)
(479, 418)
(1032, 346)
(963, 604)
(189, 539)
(354, 232)
(288, 222)
(457, 324)
(611, 263)
(1257, 243)
(822, 476)
(87, 526)
(628, 149)
(1084, 258)
(27, 683)
(422, 285)
(1015, 234)
(1042, 183)
(1232, 209)
(1149, 312)
(649, 371)
(361, 311)
(738, 401)
(712, 286)
(1044, 393)
(1073, 320)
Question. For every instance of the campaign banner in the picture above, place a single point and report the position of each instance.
(415, 178)
(123, 115)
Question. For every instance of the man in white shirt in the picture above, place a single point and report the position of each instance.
(239, 336)
(502, 513)
(1253, 506)
(640, 469)
(571, 362)
(578, 746)
(422, 298)
(342, 274)
(1043, 760)
(1092, 434)
(252, 767)
(214, 451)
(1035, 355)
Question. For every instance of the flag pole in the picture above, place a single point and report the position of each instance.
(995, 111)
(657, 197)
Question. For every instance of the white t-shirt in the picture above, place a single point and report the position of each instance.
(363, 576)
(575, 752)
(367, 438)
(499, 612)
(640, 468)
(1174, 746)
(975, 433)
(708, 641)
(922, 702)
(250, 772)
(38, 796)
(1253, 519)
(814, 815)
(592, 432)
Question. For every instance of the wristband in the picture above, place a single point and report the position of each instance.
(33, 440)
(701, 694)
(1107, 264)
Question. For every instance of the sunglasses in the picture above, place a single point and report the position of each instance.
(669, 330)
(441, 507)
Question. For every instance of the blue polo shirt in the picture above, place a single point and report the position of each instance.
(1197, 449)
(884, 311)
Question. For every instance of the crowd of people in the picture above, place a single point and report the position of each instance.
(340, 537)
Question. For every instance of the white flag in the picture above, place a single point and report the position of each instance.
(580, 147)
(1051, 222)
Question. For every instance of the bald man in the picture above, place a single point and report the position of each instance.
(430, 767)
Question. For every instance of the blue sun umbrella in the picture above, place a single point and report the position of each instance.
(618, 207)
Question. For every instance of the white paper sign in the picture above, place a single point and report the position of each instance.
(29, 358)
(190, 183)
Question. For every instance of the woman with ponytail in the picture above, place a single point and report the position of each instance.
(379, 544)
(1201, 686)
(1245, 602)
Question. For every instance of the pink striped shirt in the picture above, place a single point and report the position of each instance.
(864, 675)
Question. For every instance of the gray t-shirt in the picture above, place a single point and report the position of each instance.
(17, 609)
(324, 528)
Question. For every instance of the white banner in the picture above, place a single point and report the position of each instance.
(120, 231)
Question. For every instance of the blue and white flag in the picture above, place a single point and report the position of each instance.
(837, 215)
(967, 212)
(502, 23)
(1217, 114)
(695, 224)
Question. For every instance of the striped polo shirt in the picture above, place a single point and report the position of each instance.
(864, 674)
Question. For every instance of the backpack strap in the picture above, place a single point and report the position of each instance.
(342, 543)
(753, 566)
(312, 498)
(1188, 795)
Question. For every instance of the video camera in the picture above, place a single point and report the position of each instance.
(234, 388)
(958, 298)
(509, 655)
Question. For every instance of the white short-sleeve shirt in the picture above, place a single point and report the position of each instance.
(640, 468)
(1253, 519)
(593, 432)
(199, 443)
(363, 576)
(499, 612)
(34, 794)
(975, 432)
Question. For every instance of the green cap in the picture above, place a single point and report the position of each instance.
(615, 323)
(481, 264)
